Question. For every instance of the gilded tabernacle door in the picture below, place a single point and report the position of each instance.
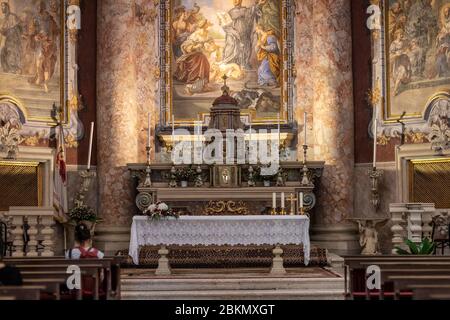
(248, 41)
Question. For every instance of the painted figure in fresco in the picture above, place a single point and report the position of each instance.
(46, 48)
(421, 25)
(193, 66)
(268, 55)
(269, 16)
(400, 63)
(11, 52)
(183, 26)
(397, 19)
(28, 43)
(443, 44)
(239, 34)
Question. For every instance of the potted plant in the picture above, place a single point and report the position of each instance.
(266, 179)
(84, 214)
(426, 247)
(159, 210)
(185, 175)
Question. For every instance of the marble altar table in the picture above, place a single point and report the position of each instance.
(220, 230)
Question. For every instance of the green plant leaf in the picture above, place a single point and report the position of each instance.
(412, 246)
(401, 251)
(426, 247)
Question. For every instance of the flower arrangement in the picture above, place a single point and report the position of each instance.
(159, 211)
(83, 213)
(185, 174)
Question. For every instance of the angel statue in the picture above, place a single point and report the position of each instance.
(368, 236)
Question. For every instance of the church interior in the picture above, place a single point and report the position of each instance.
(224, 150)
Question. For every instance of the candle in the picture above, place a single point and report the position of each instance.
(173, 129)
(149, 132)
(279, 130)
(250, 120)
(274, 200)
(282, 200)
(301, 200)
(91, 140)
(305, 126)
(375, 144)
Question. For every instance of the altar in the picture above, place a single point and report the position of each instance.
(220, 230)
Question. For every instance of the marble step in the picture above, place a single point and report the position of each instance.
(282, 294)
(248, 283)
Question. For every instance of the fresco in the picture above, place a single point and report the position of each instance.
(418, 54)
(30, 55)
(239, 39)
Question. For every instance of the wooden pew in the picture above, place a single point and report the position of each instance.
(21, 292)
(408, 282)
(110, 265)
(431, 292)
(390, 265)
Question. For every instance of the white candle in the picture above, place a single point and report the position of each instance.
(274, 200)
(149, 129)
(250, 120)
(279, 130)
(305, 126)
(173, 129)
(282, 200)
(91, 140)
(301, 200)
(375, 133)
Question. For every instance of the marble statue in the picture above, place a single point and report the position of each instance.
(368, 235)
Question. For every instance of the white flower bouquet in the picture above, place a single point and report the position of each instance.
(159, 210)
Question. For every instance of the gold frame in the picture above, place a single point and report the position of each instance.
(17, 101)
(388, 117)
(284, 96)
(39, 172)
(411, 165)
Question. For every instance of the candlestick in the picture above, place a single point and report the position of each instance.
(304, 127)
(91, 138)
(375, 144)
(149, 129)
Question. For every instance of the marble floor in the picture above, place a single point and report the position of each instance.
(232, 284)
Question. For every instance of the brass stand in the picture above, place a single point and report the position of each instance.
(374, 176)
(305, 170)
(148, 171)
(87, 177)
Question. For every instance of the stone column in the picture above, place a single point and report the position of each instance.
(117, 121)
(333, 124)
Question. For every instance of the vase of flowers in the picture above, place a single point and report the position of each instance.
(86, 215)
(185, 175)
(158, 211)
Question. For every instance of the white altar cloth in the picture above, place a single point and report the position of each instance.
(220, 230)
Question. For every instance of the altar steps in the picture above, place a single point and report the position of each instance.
(234, 286)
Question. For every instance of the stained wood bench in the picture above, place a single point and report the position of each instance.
(432, 292)
(110, 265)
(390, 266)
(21, 292)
